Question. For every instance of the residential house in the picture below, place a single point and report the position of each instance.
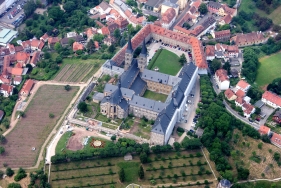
(264, 130)
(214, 7)
(34, 44)
(271, 99)
(239, 101)
(221, 36)
(232, 51)
(243, 85)
(26, 45)
(112, 27)
(248, 39)
(52, 41)
(248, 109)
(77, 46)
(234, 73)
(109, 40)
(210, 52)
(240, 93)
(90, 32)
(122, 23)
(225, 20)
(168, 18)
(222, 79)
(15, 71)
(44, 38)
(276, 140)
(97, 45)
(229, 94)
(11, 48)
(1, 114)
(5, 79)
(221, 9)
(6, 90)
(17, 80)
(104, 30)
(27, 86)
(35, 58)
(103, 8)
(277, 117)
(22, 58)
(18, 49)
(65, 41)
(208, 24)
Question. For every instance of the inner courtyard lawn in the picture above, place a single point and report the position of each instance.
(167, 63)
(155, 96)
(269, 69)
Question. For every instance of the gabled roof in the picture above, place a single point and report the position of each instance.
(222, 75)
(222, 33)
(45, 37)
(264, 129)
(227, 19)
(248, 108)
(22, 56)
(229, 93)
(27, 86)
(35, 58)
(35, 43)
(277, 114)
(77, 46)
(240, 93)
(53, 40)
(210, 50)
(240, 100)
(272, 97)
(242, 84)
(215, 5)
(168, 16)
(6, 87)
(276, 138)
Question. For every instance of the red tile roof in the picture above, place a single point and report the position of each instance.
(35, 43)
(222, 75)
(223, 33)
(45, 37)
(27, 86)
(26, 44)
(5, 80)
(248, 108)
(53, 40)
(276, 139)
(22, 57)
(210, 50)
(15, 71)
(77, 46)
(228, 93)
(41, 45)
(264, 129)
(11, 48)
(18, 48)
(242, 84)
(6, 87)
(240, 100)
(227, 19)
(96, 44)
(197, 48)
(105, 31)
(248, 38)
(240, 93)
(272, 97)
(17, 79)
(35, 58)
(168, 16)
(196, 4)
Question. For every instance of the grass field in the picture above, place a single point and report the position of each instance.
(269, 65)
(164, 168)
(249, 6)
(155, 96)
(260, 184)
(167, 63)
(247, 154)
(77, 70)
(33, 129)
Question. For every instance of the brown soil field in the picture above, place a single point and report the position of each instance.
(34, 128)
(246, 146)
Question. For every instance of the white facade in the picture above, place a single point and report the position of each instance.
(210, 58)
(111, 70)
(202, 71)
(168, 25)
(223, 85)
(273, 105)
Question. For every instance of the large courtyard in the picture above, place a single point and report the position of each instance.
(269, 65)
(155, 96)
(32, 130)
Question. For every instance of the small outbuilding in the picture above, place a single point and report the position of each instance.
(128, 157)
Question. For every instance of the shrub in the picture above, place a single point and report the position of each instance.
(20, 175)
(9, 172)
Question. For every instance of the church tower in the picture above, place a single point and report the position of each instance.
(128, 54)
(142, 60)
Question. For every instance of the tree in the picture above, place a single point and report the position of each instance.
(203, 9)
(257, 111)
(58, 59)
(55, 13)
(215, 65)
(51, 115)
(69, 6)
(227, 66)
(1, 174)
(83, 107)
(243, 173)
(186, 25)
(67, 87)
(14, 185)
(151, 18)
(276, 156)
(9, 172)
(91, 46)
(2, 150)
(113, 138)
(121, 174)
(111, 49)
(182, 59)
(177, 146)
(20, 175)
(122, 42)
(191, 143)
(141, 172)
(70, 42)
(29, 8)
(58, 47)
(2, 139)
(117, 34)
(98, 37)
(143, 158)
(47, 55)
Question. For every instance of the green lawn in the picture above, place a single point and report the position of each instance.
(63, 141)
(155, 96)
(131, 168)
(167, 62)
(269, 69)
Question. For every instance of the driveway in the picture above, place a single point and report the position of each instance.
(266, 110)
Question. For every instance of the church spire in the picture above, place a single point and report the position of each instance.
(143, 49)
(129, 47)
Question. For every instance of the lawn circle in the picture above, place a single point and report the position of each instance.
(97, 143)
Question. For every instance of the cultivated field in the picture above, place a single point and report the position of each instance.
(164, 168)
(77, 71)
(33, 129)
(167, 63)
(155, 96)
(257, 160)
(269, 65)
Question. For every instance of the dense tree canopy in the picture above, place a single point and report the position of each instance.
(203, 8)
(250, 64)
(275, 86)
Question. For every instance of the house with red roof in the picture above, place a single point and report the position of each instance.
(27, 86)
(248, 109)
(264, 130)
(243, 85)
(276, 140)
(239, 101)
(11, 48)
(229, 94)
(168, 18)
(225, 20)
(52, 41)
(22, 57)
(17, 80)
(6, 90)
(15, 71)
(35, 58)
(5, 79)
(221, 36)
(240, 93)
(222, 79)
(271, 99)
(77, 46)
(210, 52)
(44, 37)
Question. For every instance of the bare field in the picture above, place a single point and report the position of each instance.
(248, 147)
(34, 128)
